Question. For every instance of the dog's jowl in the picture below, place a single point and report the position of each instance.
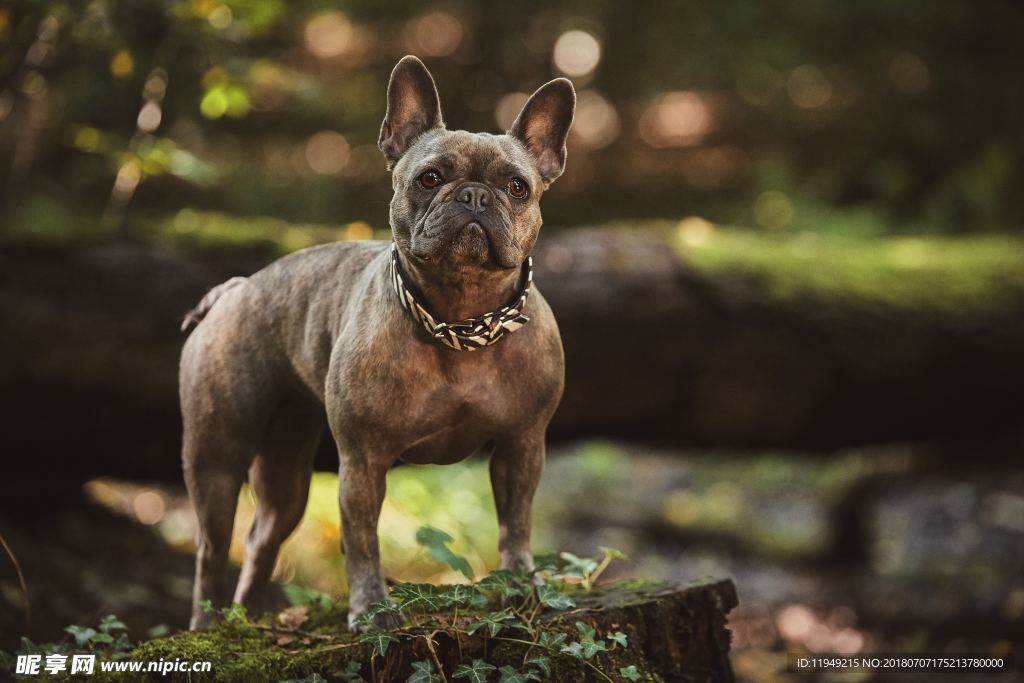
(426, 349)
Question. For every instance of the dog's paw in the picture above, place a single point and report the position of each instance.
(380, 622)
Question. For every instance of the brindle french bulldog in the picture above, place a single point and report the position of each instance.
(358, 329)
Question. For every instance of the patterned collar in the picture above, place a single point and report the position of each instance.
(472, 333)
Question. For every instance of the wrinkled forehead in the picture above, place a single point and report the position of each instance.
(473, 156)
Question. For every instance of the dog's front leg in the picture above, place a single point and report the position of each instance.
(516, 466)
(361, 493)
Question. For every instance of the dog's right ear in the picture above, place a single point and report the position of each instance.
(413, 108)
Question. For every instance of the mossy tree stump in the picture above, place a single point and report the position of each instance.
(674, 633)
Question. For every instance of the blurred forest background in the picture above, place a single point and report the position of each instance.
(810, 211)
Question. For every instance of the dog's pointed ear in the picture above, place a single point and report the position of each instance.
(543, 125)
(413, 108)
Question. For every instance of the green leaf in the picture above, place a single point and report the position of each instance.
(542, 663)
(507, 583)
(111, 623)
(587, 632)
(103, 638)
(206, 606)
(423, 672)
(82, 634)
(463, 596)
(350, 674)
(578, 566)
(436, 542)
(234, 614)
(573, 649)
(476, 672)
(510, 675)
(376, 609)
(545, 563)
(380, 640)
(492, 621)
(554, 598)
(122, 644)
(587, 647)
(422, 595)
(619, 638)
(630, 672)
(551, 641)
(613, 554)
(303, 595)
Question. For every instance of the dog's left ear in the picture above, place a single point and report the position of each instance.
(413, 108)
(543, 125)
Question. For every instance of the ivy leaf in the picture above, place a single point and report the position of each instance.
(350, 674)
(612, 553)
(551, 641)
(463, 596)
(619, 638)
(423, 672)
(507, 583)
(573, 649)
(586, 631)
(234, 614)
(476, 672)
(542, 663)
(111, 623)
(629, 672)
(510, 675)
(554, 598)
(436, 542)
(377, 608)
(380, 640)
(82, 634)
(122, 644)
(545, 563)
(587, 647)
(492, 621)
(422, 595)
(578, 566)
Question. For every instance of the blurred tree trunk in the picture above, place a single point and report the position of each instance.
(655, 352)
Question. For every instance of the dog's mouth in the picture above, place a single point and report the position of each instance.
(465, 239)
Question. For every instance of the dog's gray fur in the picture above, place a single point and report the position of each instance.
(322, 329)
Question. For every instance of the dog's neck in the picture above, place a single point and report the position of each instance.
(461, 292)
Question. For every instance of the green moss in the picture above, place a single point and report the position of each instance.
(245, 652)
(941, 273)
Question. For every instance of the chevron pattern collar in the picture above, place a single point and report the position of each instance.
(472, 333)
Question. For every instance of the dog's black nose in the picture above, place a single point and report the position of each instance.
(475, 196)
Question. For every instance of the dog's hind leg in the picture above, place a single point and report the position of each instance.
(279, 477)
(214, 470)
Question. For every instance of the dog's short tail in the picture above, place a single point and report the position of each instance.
(195, 316)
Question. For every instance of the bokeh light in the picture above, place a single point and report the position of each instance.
(676, 119)
(596, 123)
(328, 34)
(508, 109)
(808, 87)
(327, 152)
(576, 53)
(436, 34)
(909, 73)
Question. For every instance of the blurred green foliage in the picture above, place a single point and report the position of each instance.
(768, 114)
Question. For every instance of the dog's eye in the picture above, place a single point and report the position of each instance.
(517, 188)
(430, 179)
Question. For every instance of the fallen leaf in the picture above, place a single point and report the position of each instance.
(294, 617)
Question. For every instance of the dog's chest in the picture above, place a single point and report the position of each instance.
(455, 413)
